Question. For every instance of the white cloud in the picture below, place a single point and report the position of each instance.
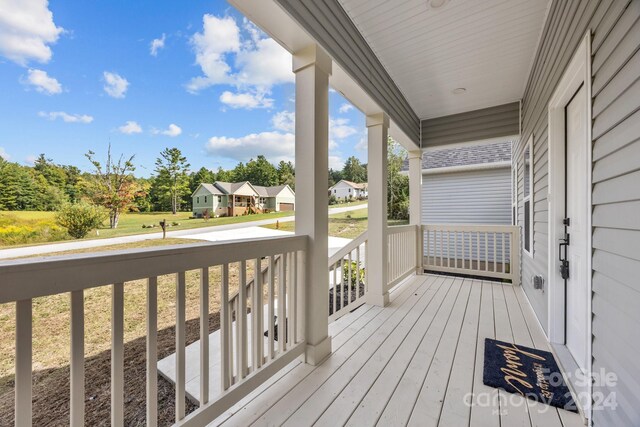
(275, 146)
(157, 44)
(340, 129)
(284, 121)
(130, 127)
(26, 31)
(172, 131)
(246, 100)
(247, 60)
(43, 82)
(344, 108)
(30, 159)
(336, 162)
(219, 37)
(68, 118)
(362, 145)
(115, 85)
(4, 154)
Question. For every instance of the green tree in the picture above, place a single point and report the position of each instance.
(203, 175)
(334, 177)
(261, 172)
(172, 178)
(80, 218)
(112, 186)
(286, 174)
(224, 175)
(239, 173)
(398, 184)
(354, 171)
(17, 187)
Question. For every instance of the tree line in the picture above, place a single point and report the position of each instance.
(111, 183)
(84, 200)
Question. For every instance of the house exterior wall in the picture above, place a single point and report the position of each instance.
(615, 28)
(285, 196)
(492, 122)
(468, 197)
(343, 191)
(199, 204)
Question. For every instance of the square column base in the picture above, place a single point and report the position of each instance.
(377, 299)
(315, 354)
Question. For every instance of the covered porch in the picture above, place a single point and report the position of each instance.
(417, 361)
(373, 334)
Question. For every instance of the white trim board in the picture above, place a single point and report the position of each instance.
(429, 149)
(578, 73)
(465, 168)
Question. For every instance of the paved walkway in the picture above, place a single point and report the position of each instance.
(84, 244)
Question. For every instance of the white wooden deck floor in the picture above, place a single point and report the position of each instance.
(415, 362)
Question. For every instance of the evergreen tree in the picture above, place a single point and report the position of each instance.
(354, 171)
(239, 173)
(261, 172)
(286, 174)
(224, 175)
(172, 179)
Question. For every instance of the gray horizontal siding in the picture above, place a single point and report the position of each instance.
(470, 197)
(492, 122)
(330, 25)
(615, 27)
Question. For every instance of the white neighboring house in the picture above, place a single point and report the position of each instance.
(344, 190)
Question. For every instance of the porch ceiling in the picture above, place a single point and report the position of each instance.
(484, 46)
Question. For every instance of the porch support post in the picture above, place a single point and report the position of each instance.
(415, 187)
(312, 67)
(415, 203)
(377, 249)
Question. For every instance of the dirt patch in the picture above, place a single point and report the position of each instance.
(51, 386)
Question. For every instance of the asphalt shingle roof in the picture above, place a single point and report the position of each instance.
(463, 156)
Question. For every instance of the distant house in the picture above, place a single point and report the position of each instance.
(277, 198)
(467, 185)
(239, 198)
(346, 190)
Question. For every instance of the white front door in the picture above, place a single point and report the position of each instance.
(577, 211)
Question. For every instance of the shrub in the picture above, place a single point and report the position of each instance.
(206, 214)
(80, 218)
(357, 274)
(333, 200)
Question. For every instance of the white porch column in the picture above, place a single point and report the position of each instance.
(312, 67)
(377, 249)
(415, 187)
(415, 202)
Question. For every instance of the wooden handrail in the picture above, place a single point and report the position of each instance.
(32, 278)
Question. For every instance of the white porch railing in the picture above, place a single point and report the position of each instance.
(242, 370)
(479, 250)
(403, 253)
(348, 277)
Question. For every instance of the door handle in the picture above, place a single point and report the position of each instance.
(564, 242)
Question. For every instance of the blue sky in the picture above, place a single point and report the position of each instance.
(147, 75)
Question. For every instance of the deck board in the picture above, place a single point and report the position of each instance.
(418, 361)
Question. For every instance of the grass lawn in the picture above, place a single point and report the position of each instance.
(27, 227)
(347, 224)
(343, 205)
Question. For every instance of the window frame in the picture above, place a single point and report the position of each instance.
(514, 194)
(528, 198)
